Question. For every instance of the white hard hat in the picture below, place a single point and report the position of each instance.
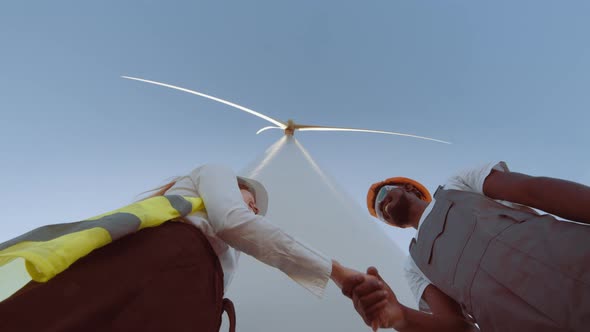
(259, 192)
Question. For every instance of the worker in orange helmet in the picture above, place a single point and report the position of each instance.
(482, 257)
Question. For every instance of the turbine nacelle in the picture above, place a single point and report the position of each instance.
(291, 127)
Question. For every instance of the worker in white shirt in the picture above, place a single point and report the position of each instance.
(172, 277)
(481, 257)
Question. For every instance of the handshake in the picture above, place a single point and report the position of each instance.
(372, 298)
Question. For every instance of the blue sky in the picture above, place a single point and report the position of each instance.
(502, 80)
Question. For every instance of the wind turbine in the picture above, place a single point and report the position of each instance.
(290, 126)
(309, 204)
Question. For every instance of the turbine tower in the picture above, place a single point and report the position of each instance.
(309, 204)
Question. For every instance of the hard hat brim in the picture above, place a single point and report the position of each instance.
(374, 189)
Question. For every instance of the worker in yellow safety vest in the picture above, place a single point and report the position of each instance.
(117, 272)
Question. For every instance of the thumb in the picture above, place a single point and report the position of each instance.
(375, 326)
(373, 271)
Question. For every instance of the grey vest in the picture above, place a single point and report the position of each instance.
(511, 270)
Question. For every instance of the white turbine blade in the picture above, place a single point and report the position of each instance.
(245, 109)
(319, 128)
(267, 128)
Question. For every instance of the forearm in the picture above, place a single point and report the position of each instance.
(563, 198)
(446, 314)
(418, 321)
(270, 245)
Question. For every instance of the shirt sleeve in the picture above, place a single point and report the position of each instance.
(240, 228)
(473, 179)
(417, 282)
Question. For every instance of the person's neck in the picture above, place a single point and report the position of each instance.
(416, 212)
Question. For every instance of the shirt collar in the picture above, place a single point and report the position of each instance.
(425, 214)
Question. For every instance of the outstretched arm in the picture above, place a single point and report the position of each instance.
(379, 308)
(256, 236)
(566, 199)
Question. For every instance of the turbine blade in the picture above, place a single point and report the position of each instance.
(321, 128)
(245, 109)
(267, 128)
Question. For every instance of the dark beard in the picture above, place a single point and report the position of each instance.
(400, 212)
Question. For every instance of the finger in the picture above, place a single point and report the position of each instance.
(350, 284)
(370, 299)
(377, 315)
(374, 311)
(369, 286)
(373, 308)
(373, 271)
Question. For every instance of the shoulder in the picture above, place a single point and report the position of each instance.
(472, 179)
(190, 183)
(211, 170)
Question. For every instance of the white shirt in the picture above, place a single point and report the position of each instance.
(468, 180)
(231, 227)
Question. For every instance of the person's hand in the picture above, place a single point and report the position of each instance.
(374, 300)
(341, 273)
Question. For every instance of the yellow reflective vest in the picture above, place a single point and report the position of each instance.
(51, 249)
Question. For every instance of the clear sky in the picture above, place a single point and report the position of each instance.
(502, 80)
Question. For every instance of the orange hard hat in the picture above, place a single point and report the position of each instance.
(395, 181)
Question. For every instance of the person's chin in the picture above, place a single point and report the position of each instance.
(401, 225)
(404, 225)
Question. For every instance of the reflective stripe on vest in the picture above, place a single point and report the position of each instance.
(49, 250)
